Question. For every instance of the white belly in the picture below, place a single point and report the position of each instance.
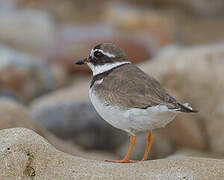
(133, 120)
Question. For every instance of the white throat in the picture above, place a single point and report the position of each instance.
(106, 67)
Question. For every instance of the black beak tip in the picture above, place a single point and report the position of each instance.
(83, 61)
(79, 62)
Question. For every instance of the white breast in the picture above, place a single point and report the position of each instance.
(110, 114)
(133, 120)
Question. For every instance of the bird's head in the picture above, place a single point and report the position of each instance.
(104, 57)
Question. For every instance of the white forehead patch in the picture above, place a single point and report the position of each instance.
(99, 50)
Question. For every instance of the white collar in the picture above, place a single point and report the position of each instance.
(98, 69)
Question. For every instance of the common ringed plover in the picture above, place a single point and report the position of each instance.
(126, 97)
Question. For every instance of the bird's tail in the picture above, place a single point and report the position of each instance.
(186, 108)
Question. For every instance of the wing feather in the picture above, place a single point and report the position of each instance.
(129, 87)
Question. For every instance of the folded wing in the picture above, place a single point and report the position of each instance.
(129, 87)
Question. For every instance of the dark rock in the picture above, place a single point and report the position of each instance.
(8, 93)
(78, 121)
(27, 76)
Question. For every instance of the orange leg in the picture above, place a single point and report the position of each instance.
(150, 138)
(126, 158)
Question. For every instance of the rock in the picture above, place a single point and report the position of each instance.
(75, 43)
(78, 91)
(200, 8)
(27, 76)
(195, 31)
(157, 26)
(68, 11)
(79, 122)
(194, 75)
(191, 8)
(13, 114)
(162, 145)
(27, 29)
(184, 152)
(8, 93)
(26, 155)
(60, 75)
(7, 5)
(69, 147)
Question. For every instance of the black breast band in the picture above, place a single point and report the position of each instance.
(104, 74)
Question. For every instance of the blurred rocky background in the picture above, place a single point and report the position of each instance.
(179, 42)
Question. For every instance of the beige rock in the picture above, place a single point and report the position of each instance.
(151, 24)
(14, 115)
(184, 152)
(194, 75)
(191, 8)
(195, 31)
(68, 11)
(60, 75)
(28, 30)
(26, 155)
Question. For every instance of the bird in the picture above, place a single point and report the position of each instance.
(128, 98)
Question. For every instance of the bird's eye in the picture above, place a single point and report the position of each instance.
(98, 54)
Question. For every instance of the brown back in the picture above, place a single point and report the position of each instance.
(129, 87)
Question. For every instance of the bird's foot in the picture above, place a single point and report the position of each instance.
(121, 161)
(144, 160)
